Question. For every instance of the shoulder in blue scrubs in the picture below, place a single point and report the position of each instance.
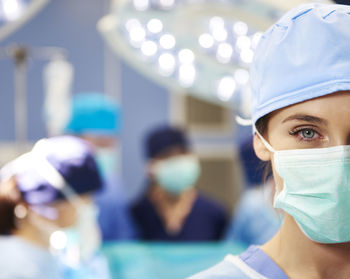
(253, 263)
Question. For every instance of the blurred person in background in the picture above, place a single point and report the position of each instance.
(171, 209)
(48, 222)
(255, 221)
(97, 119)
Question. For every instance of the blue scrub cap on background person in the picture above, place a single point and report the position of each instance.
(94, 113)
(305, 55)
(162, 139)
(70, 156)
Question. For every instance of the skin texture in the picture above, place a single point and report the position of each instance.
(317, 123)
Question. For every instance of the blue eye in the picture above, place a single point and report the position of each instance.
(307, 133)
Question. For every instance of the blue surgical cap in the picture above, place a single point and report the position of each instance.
(94, 113)
(305, 55)
(70, 156)
(163, 138)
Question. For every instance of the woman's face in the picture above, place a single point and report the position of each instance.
(317, 123)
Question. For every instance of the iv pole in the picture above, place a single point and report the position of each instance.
(20, 55)
(20, 58)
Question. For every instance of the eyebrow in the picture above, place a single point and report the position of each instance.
(306, 118)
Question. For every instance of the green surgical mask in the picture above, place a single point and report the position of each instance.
(177, 174)
(107, 161)
(316, 191)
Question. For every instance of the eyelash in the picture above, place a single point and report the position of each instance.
(297, 133)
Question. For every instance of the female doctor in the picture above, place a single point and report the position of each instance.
(301, 110)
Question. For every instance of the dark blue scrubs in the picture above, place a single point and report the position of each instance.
(206, 222)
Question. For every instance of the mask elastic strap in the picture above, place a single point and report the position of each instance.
(267, 145)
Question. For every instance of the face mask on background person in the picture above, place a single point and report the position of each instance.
(316, 190)
(107, 159)
(177, 174)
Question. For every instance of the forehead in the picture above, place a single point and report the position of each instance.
(335, 106)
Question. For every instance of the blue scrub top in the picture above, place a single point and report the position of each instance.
(253, 263)
(207, 221)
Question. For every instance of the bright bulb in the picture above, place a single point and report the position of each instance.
(141, 5)
(186, 56)
(224, 52)
(167, 3)
(243, 42)
(149, 48)
(187, 75)
(167, 63)
(167, 41)
(247, 56)
(217, 28)
(12, 9)
(137, 34)
(226, 88)
(240, 28)
(132, 23)
(242, 76)
(155, 26)
(220, 34)
(216, 23)
(206, 40)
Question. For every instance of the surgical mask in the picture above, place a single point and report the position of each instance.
(177, 174)
(316, 190)
(74, 244)
(107, 161)
(83, 239)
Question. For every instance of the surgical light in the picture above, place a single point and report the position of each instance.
(247, 56)
(167, 41)
(12, 9)
(149, 48)
(141, 5)
(220, 34)
(167, 4)
(216, 23)
(224, 52)
(155, 26)
(243, 42)
(206, 40)
(240, 28)
(137, 34)
(186, 56)
(167, 64)
(132, 23)
(226, 88)
(187, 75)
(206, 45)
